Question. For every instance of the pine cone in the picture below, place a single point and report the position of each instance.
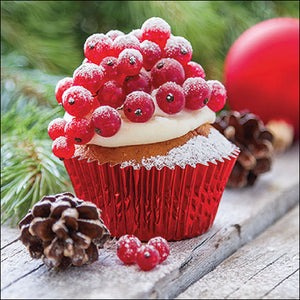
(248, 132)
(63, 230)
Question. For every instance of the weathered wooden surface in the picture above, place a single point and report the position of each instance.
(266, 268)
(242, 215)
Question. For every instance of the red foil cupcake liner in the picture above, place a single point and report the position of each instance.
(174, 203)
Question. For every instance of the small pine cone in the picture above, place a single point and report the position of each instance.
(248, 132)
(63, 230)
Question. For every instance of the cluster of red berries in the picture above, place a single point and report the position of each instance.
(130, 250)
(130, 73)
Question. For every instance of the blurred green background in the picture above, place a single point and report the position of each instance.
(42, 42)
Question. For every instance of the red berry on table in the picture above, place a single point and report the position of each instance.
(127, 247)
(97, 46)
(56, 128)
(147, 257)
(114, 33)
(151, 54)
(63, 147)
(218, 95)
(140, 82)
(90, 76)
(106, 121)
(179, 48)
(130, 62)
(167, 69)
(162, 246)
(156, 30)
(138, 107)
(109, 67)
(79, 130)
(138, 34)
(128, 41)
(193, 69)
(170, 97)
(61, 87)
(111, 94)
(197, 92)
(78, 101)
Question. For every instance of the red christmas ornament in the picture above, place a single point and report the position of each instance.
(261, 71)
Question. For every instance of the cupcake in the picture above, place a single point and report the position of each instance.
(136, 138)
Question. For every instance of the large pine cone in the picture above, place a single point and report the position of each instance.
(248, 132)
(63, 230)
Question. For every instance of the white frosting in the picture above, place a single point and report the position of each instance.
(161, 127)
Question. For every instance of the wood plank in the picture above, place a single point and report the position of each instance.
(242, 215)
(266, 268)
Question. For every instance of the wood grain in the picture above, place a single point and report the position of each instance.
(243, 214)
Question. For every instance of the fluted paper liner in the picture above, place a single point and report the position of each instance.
(174, 203)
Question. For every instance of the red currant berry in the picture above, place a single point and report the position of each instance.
(79, 130)
(138, 34)
(162, 246)
(218, 95)
(78, 101)
(130, 62)
(109, 67)
(197, 92)
(61, 87)
(156, 30)
(193, 69)
(111, 94)
(62, 147)
(128, 41)
(127, 247)
(147, 257)
(140, 82)
(167, 69)
(138, 107)
(106, 120)
(90, 76)
(97, 46)
(113, 34)
(56, 128)
(151, 54)
(170, 98)
(179, 48)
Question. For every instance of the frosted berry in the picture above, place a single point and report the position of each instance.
(138, 34)
(111, 94)
(56, 128)
(130, 62)
(179, 48)
(62, 147)
(127, 247)
(140, 82)
(197, 93)
(90, 76)
(138, 107)
(78, 101)
(147, 257)
(128, 41)
(97, 46)
(170, 98)
(218, 95)
(162, 246)
(79, 130)
(106, 121)
(61, 87)
(167, 69)
(109, 67)
(156, 30)
(193, 69)
(113, 34)
(151, 54)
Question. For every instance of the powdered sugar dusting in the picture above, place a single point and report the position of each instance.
(199, 149)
